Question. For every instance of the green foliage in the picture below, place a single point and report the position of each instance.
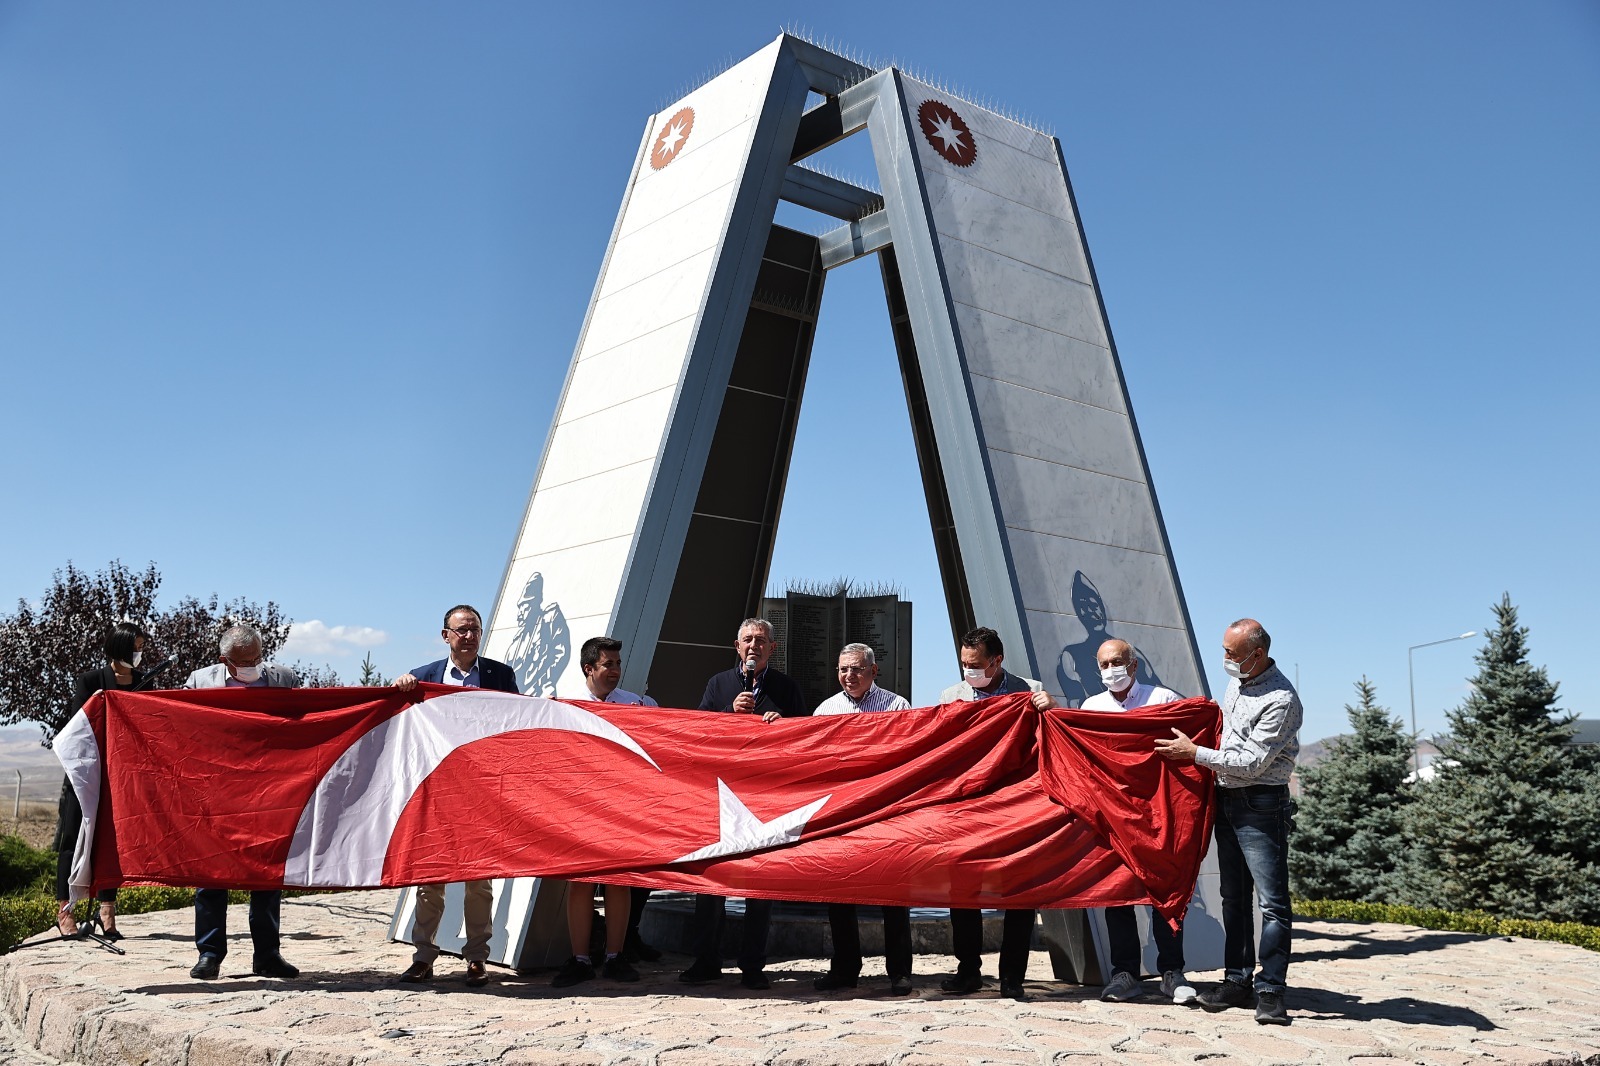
(24, 916)
(24, 868)
(1352, 808)
(1507, 824)
(370, 676)
(1343, 910)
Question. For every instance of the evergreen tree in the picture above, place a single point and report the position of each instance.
(1508, 823)
(1352, 807)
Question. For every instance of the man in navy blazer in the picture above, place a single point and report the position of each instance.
(463, 632)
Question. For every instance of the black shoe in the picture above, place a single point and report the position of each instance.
(1227, 994)
(701, 973)
(1270, 1009)
(1013, 990)
(417, 973)
(574, 972)
(636, 950)
(209, 968)
(963, 983)
(273, 966)
(618, 969)
(833, 980)
(110, 934)
(899, 986)
(755, 981)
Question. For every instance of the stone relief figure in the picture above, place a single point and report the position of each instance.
(1078, 670)
(543, 644)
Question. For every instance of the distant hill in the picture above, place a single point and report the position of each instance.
(41, 773)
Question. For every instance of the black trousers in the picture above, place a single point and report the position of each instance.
(966, 932)
(847, 940)
(1122, 929)
(211, 922)
(70, 824)
(709, 914)
(637, 899)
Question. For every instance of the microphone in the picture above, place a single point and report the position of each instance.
(750, 674)
(150, 674)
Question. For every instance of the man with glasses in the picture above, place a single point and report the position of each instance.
(464, 667)
(1119, 669)
(239, 666)
(859, 694)
(1261, 717)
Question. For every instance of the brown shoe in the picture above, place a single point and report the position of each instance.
(417, 973)
(66, 924)
(477, 974)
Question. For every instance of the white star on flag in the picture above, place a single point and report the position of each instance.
(742, 831)
(670, 139)
(945, 130)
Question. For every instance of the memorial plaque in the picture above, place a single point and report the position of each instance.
(816, 627)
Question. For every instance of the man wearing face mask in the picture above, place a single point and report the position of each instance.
(751, 687)
(1261, 717)
(983, 675)
(240, 666)
(1119, 669)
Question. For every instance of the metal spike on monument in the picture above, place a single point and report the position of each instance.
(655, 504)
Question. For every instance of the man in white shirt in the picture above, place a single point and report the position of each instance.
(859, 694)
(1119, 668)
(601, 662)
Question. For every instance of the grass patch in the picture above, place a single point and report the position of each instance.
(1344, 910)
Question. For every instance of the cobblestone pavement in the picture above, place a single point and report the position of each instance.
(1382, 995)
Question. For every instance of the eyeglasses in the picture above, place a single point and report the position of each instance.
(465, 631)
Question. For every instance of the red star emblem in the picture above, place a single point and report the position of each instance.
(947, 133)
(671, 137)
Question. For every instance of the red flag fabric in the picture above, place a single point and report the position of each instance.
(362, 787)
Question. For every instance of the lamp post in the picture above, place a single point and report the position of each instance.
(1411, 679)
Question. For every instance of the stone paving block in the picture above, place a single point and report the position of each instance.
(233, 1046)
(830, 1055)
(138, 1037)
(530, 1056)
(64, 1017)
(326, 1054)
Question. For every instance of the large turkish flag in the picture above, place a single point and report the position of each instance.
(989, 804)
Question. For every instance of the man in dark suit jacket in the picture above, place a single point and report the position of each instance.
(752, 687)
(463, 632)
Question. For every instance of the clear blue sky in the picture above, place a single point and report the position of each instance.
(287, 293)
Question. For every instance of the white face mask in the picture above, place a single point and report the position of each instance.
(247, 674)
(1114, 678)
(1235, 670)
(136, 657)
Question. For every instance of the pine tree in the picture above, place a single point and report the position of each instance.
(1508, 823)
(1352, 807)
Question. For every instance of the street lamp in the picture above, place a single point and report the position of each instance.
(1411, 679)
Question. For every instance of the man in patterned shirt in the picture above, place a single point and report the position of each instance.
(1260, 738)
(858, 694)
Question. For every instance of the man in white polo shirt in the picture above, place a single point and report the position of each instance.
(858, 694)
(1119, 668)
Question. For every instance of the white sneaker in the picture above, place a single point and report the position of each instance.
(1174, 984)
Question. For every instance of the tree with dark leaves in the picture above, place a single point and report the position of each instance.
(1507, 825)
(44, 646)
(1352, 805)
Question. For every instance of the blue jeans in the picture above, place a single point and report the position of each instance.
(1253, 849)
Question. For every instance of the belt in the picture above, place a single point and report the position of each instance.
(1256, 790)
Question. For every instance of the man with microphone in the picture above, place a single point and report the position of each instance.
(752, 687)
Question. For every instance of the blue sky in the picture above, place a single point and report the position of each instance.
(287, 293)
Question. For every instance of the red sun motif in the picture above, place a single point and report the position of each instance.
(671, 138)
(947, 133)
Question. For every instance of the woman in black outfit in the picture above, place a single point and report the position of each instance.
(124, 646)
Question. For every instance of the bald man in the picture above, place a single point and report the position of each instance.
(1261, 716)
(1119, 669)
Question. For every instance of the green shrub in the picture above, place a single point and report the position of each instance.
(24, 868)
(24, 916)
(1343, 910)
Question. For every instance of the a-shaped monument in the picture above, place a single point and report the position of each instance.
(655, 505)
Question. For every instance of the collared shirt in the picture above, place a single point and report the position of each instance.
(1138, 695)
(874, 699)
(1260, 732)
(453, 675)
(620, 695)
